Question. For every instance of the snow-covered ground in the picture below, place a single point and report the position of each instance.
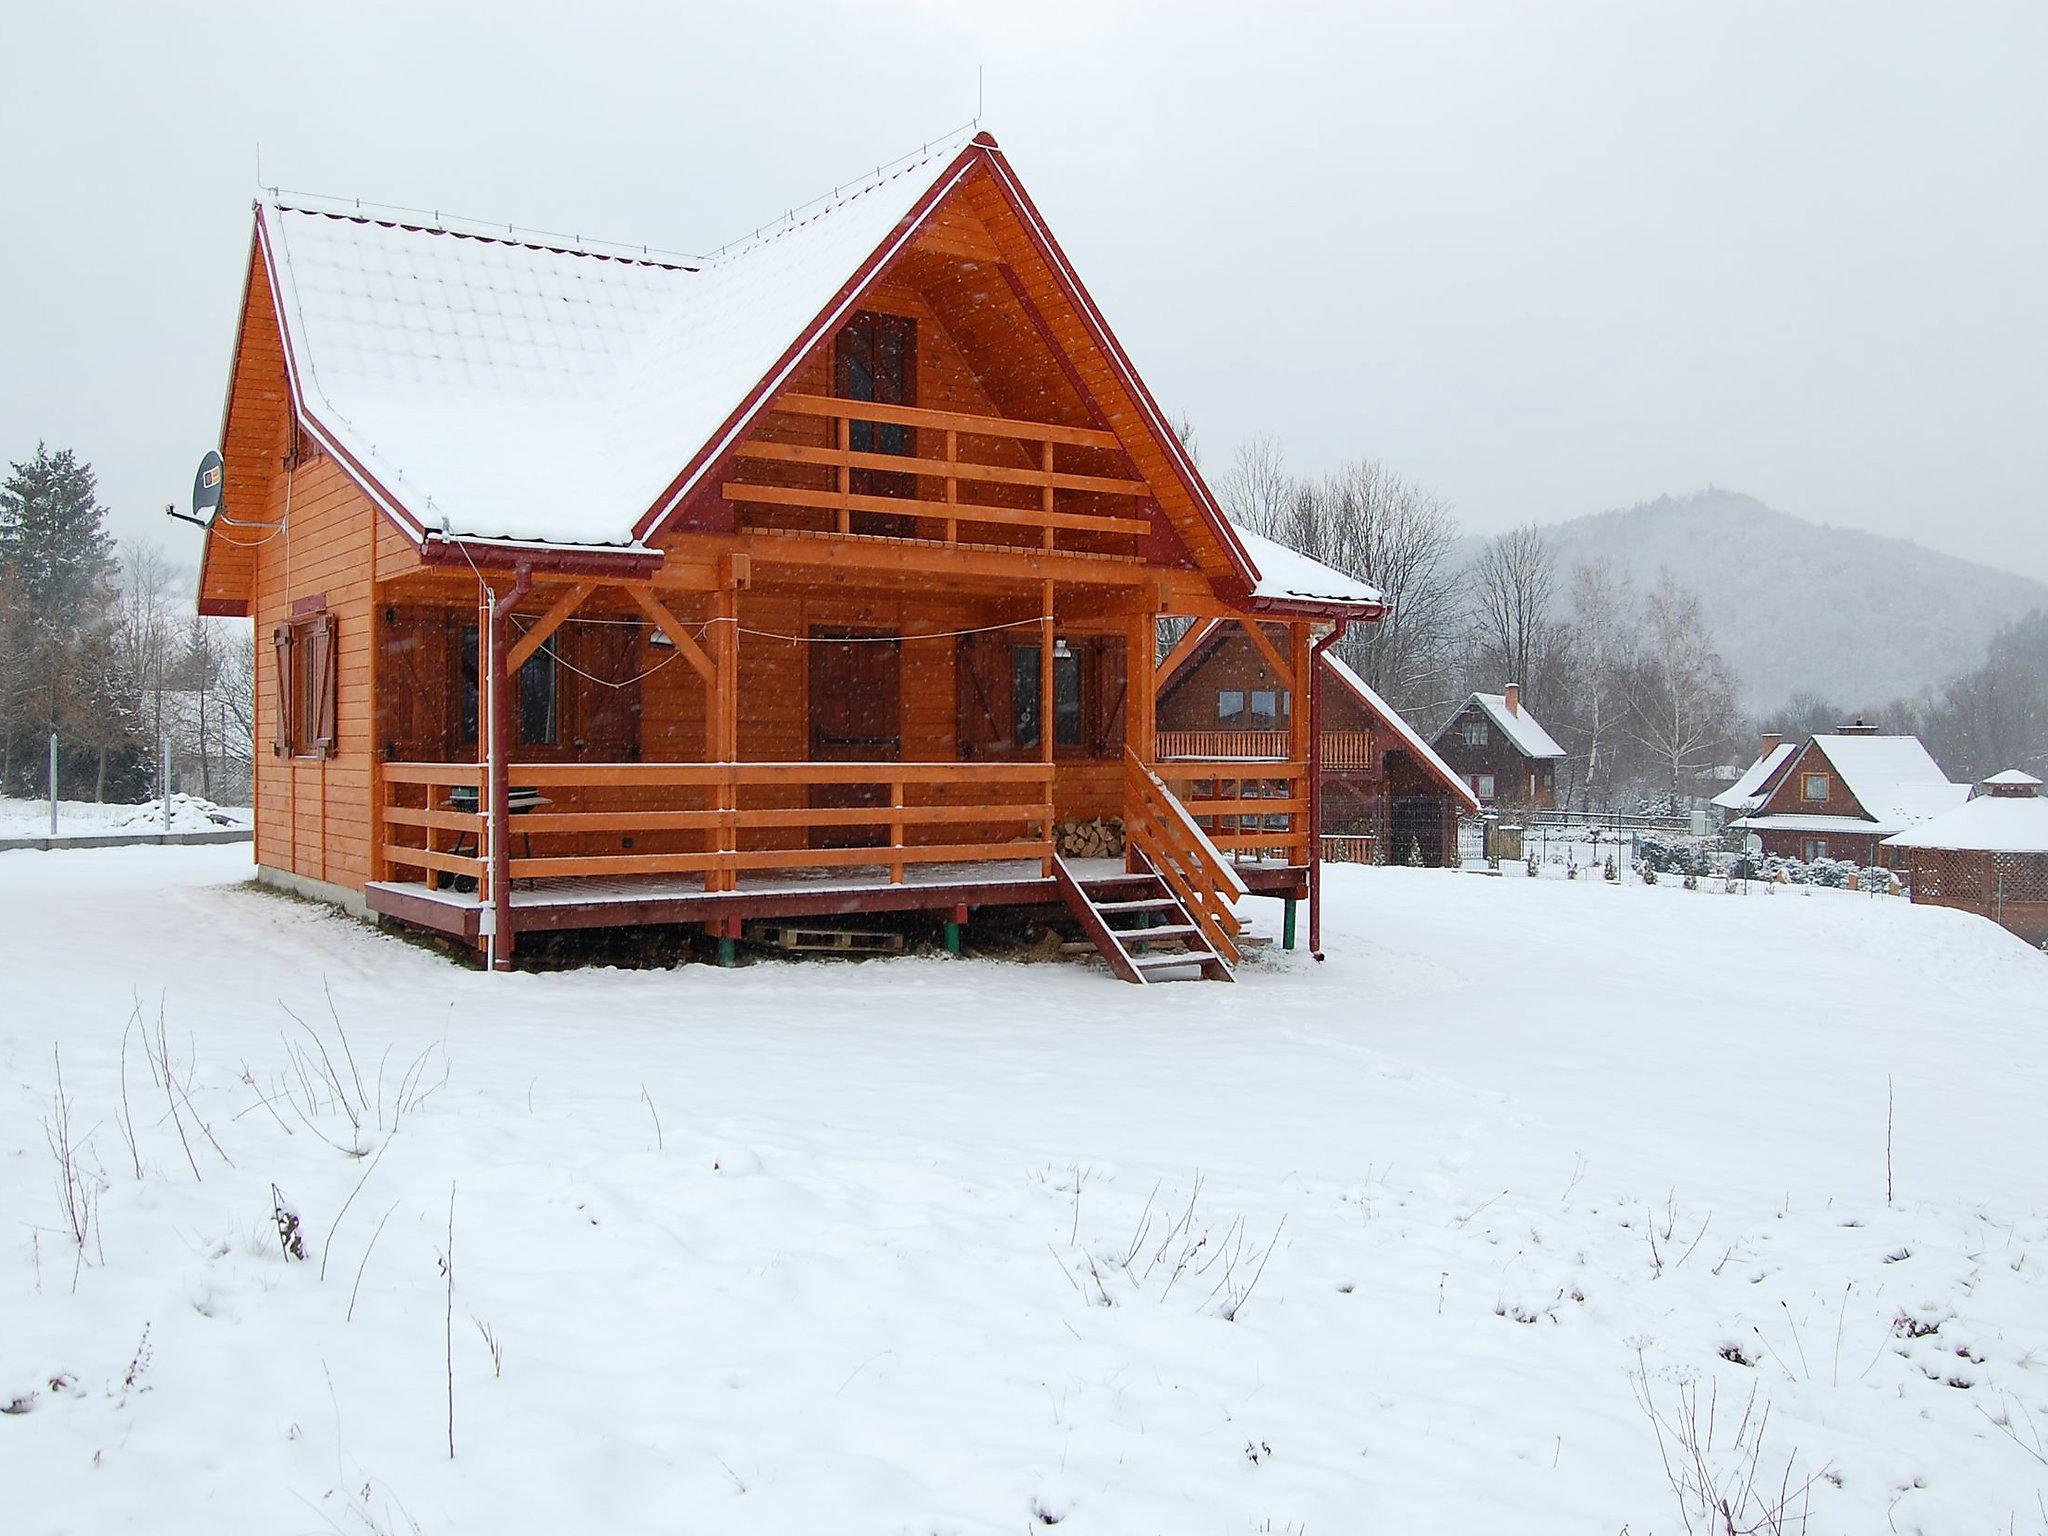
(937, 1245)
(86, 818)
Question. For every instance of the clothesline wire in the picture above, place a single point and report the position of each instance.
(698, 628)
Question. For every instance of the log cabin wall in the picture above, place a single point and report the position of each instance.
(313, 813)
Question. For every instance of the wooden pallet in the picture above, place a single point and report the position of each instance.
(830, 941)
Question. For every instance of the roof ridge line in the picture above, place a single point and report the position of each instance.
(800, 214)
(423, 221)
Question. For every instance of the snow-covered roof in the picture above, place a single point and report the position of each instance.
(1408, 734)
(530, 392)
(1987, 824)
(1892, 777)
(1288, 575)
(1747, 792)
(1524, 733)
(2013, 776)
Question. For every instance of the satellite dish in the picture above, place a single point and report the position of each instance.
(206, 487)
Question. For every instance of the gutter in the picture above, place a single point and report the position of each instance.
(1315, 786)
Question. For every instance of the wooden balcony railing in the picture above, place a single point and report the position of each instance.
(724, 820)
(952, 470)
(1341, 749)
(1157, 826)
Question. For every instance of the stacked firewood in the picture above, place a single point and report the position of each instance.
(1100, 837)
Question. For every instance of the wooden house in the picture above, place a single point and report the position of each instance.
(819, 575)
(1501, 751)
(1383, 793)
(1988, 855)
(1842, 794)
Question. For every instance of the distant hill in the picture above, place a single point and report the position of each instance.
(1856, 617)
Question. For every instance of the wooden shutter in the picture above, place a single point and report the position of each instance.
(982, 695)
(1103, 697)
(320, 676)
(281, 650)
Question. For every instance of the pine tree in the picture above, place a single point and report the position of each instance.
(53, 537)
(56, 564)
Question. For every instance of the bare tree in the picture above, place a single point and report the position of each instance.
(1513, 586)
(1366, 520)
(1600, 665)
(1683, 700)
(148, 640)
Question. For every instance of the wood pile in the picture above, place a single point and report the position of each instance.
(1099, 838)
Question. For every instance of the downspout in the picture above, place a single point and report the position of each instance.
(499, 769)
(1315, 786)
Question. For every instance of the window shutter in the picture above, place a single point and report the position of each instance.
(322, 671)
(983, 694)
(281, 646)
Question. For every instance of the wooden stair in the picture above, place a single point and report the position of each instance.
(1146, 939)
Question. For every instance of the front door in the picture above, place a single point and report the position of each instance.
(856, 691)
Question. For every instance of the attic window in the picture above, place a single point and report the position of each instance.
(1476, 734)
(1813, 787)
(305, 685)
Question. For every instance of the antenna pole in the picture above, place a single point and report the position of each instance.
(977, 98)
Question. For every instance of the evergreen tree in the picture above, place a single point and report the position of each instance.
(53, 538)
(56, 619)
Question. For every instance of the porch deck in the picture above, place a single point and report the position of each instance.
(624, 901)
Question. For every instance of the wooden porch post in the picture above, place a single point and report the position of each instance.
(1046, 726)
(723, 702)
(1300, 722)
(496, 742)
(1141, 679)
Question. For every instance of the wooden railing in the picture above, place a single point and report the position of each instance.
(948, 466)
(431, 818)
(1341, 749)
(734, 818)
(1158, 827)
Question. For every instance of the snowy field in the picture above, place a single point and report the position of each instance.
(84, 818)
(1404, 1242)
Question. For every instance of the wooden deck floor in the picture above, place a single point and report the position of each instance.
(631, 901)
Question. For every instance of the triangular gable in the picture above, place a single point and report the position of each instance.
(999, 211)
(255, 417)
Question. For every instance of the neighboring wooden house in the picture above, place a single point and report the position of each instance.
(1746, 794)
(1384, 791)
(1841, 795)
(1988, 856)
(820, 575)
(1501, 751)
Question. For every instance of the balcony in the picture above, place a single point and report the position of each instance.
(986, 480)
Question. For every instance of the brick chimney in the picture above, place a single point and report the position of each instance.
(1772, 741)
(1514, 696)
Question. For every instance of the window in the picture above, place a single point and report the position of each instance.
(304, 651)
(539, 692)
(1066, 699)
(1230, 706)
(1476, 733)
(538, 695)
(1069, 701)
(875, 359)
(1482, 785)
(1813, 786)
(1265, 709)
(1024, 695)
(1813, 850)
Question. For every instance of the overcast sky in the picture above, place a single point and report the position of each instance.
(1543, 258)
